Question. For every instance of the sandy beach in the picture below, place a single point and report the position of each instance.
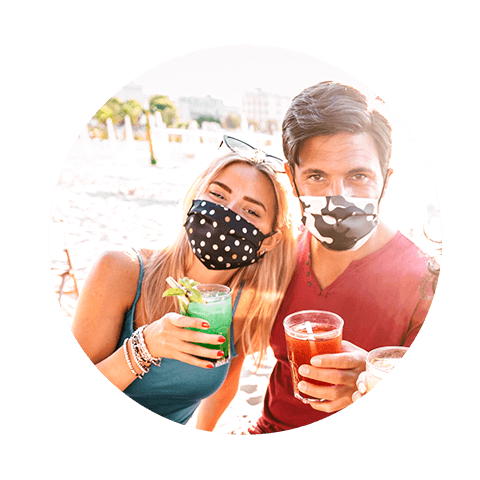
(110, 196)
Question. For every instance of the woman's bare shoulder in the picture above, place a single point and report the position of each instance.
(123, 262)
(107, 294)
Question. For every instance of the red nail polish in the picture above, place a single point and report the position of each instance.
(205, 325)
(210, 365)
(222, 339)
(220, 354)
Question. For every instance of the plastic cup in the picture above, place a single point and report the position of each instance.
(380, 362)
(309, 333)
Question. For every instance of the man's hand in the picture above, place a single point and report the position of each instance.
(361, 387)
(341, 369)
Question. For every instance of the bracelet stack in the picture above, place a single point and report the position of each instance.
(141, 355)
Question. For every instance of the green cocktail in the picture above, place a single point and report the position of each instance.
(217, 311)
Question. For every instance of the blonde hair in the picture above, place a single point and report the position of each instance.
(265, 281)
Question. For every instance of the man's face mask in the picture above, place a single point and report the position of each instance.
(340, 223)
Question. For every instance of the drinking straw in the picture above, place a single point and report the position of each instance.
(308, 325)
(182, 299)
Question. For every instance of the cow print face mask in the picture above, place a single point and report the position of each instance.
(220, 238)
(340, 223)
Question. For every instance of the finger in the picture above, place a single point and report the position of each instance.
(350, 357)
(199, 351)
(193, 360)
(356, 395)
(200, 337)
(317, 391)
(331, 407)
(330, 375)
(182, 321)
(361, 384)
(344, 361)
(334, 398)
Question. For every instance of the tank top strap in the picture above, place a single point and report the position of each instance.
(140, 278)
(240, 288)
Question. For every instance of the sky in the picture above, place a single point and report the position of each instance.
(226, 72)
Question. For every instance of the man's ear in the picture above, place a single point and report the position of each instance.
(290, 175)
(387, 178)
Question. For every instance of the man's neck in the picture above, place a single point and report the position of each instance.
(328, 265)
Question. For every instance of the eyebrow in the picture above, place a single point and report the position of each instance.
(248, 199)
(317, 171)
(309, 171)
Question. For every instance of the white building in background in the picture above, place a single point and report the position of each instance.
(265, 110)
(132, 91)
(191, 108)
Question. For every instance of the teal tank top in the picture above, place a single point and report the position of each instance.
(174, 389)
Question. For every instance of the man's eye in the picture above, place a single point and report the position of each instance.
(359, 176)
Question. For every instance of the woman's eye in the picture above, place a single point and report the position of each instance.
(252, 212)
(217, 195)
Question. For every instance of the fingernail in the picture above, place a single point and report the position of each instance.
(302, 386)
(210, 365)
(303, 370)
(220, 354)
(316, 362)
(222, 339)
(362, 388)
(205, 324)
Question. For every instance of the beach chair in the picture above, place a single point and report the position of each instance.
(66, 285)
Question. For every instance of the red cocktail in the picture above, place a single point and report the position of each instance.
(310, 333)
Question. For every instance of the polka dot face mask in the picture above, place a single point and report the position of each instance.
(220, 238)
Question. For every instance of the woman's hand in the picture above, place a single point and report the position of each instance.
(168, 338)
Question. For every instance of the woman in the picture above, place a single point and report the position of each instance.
(121, 303)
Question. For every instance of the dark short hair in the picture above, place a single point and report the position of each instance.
(329, 108)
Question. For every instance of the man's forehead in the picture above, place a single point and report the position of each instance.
(343, 149)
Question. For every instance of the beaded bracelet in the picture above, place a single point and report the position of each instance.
(127, 358)
(137, 357)
(145, 354)
(141, 355)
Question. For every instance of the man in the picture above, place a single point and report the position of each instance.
(349, 262)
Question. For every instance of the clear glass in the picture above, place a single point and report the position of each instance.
(218, 313)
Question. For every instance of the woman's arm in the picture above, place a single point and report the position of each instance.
(108, 293)
(213, 407)
(106, 296)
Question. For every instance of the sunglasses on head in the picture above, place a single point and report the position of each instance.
(252, 153)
